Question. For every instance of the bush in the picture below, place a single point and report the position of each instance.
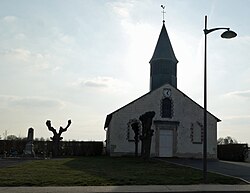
(232, 152)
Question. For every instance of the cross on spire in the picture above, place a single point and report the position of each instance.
(163, 12)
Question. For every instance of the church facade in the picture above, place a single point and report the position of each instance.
(178, 120)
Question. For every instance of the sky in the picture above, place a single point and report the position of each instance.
(83, 59)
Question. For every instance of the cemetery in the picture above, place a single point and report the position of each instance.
(28, 148)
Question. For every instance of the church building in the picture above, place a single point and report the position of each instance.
(178, 120)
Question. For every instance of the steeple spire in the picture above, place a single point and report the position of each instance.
(163, 62)
(163, 48)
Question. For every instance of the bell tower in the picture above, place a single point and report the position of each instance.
(163, 64)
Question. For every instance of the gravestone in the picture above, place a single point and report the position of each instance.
(29, 147)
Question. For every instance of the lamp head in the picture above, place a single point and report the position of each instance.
(228, 34)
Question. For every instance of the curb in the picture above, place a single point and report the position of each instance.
(130, 189)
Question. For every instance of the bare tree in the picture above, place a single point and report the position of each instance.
(147, 133)
(226, 140)
(12, 137)
(135, 125)
(57, 136)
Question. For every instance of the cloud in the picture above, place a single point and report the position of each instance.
(104, 84)
(121, 9)
(236, 117)
(66, 38)
(20, 36)
(245, 93)
(20, 54)
(99, 82)
(9, 19)
(29, 102)
(26, 57)
(91, 83)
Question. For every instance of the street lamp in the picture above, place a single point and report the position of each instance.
(227, 34)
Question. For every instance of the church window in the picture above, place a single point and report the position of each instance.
(166, 108)
(196, 133)
(133, 130)
(130, 134)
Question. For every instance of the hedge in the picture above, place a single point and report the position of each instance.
(44, 148)
(232, 152)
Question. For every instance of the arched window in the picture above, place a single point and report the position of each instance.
(166, 108)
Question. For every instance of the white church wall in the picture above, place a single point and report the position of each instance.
(118, 126)
(185, 111)
(190, 114)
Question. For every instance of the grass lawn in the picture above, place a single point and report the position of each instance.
(94, 171)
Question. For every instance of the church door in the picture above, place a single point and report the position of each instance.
(166, 143)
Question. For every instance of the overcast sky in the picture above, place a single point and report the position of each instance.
(83, 59)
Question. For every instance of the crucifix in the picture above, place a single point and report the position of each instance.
(163, 12)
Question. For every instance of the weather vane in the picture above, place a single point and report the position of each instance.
(163, 12)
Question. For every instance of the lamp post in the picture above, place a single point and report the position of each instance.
(226, 34)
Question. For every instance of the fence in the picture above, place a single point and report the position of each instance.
(44, 148)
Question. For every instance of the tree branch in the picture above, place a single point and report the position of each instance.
(48, 123)
(64, 129)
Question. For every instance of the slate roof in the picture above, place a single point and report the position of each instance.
(163, 48)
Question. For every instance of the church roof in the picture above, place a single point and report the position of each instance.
(163, 48)
(109, 116)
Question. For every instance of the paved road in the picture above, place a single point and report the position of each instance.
(237, 169)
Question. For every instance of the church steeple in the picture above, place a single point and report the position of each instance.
(163, 64)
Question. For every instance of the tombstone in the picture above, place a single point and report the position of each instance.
(29, 147)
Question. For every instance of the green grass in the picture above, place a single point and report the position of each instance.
(94, 171)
